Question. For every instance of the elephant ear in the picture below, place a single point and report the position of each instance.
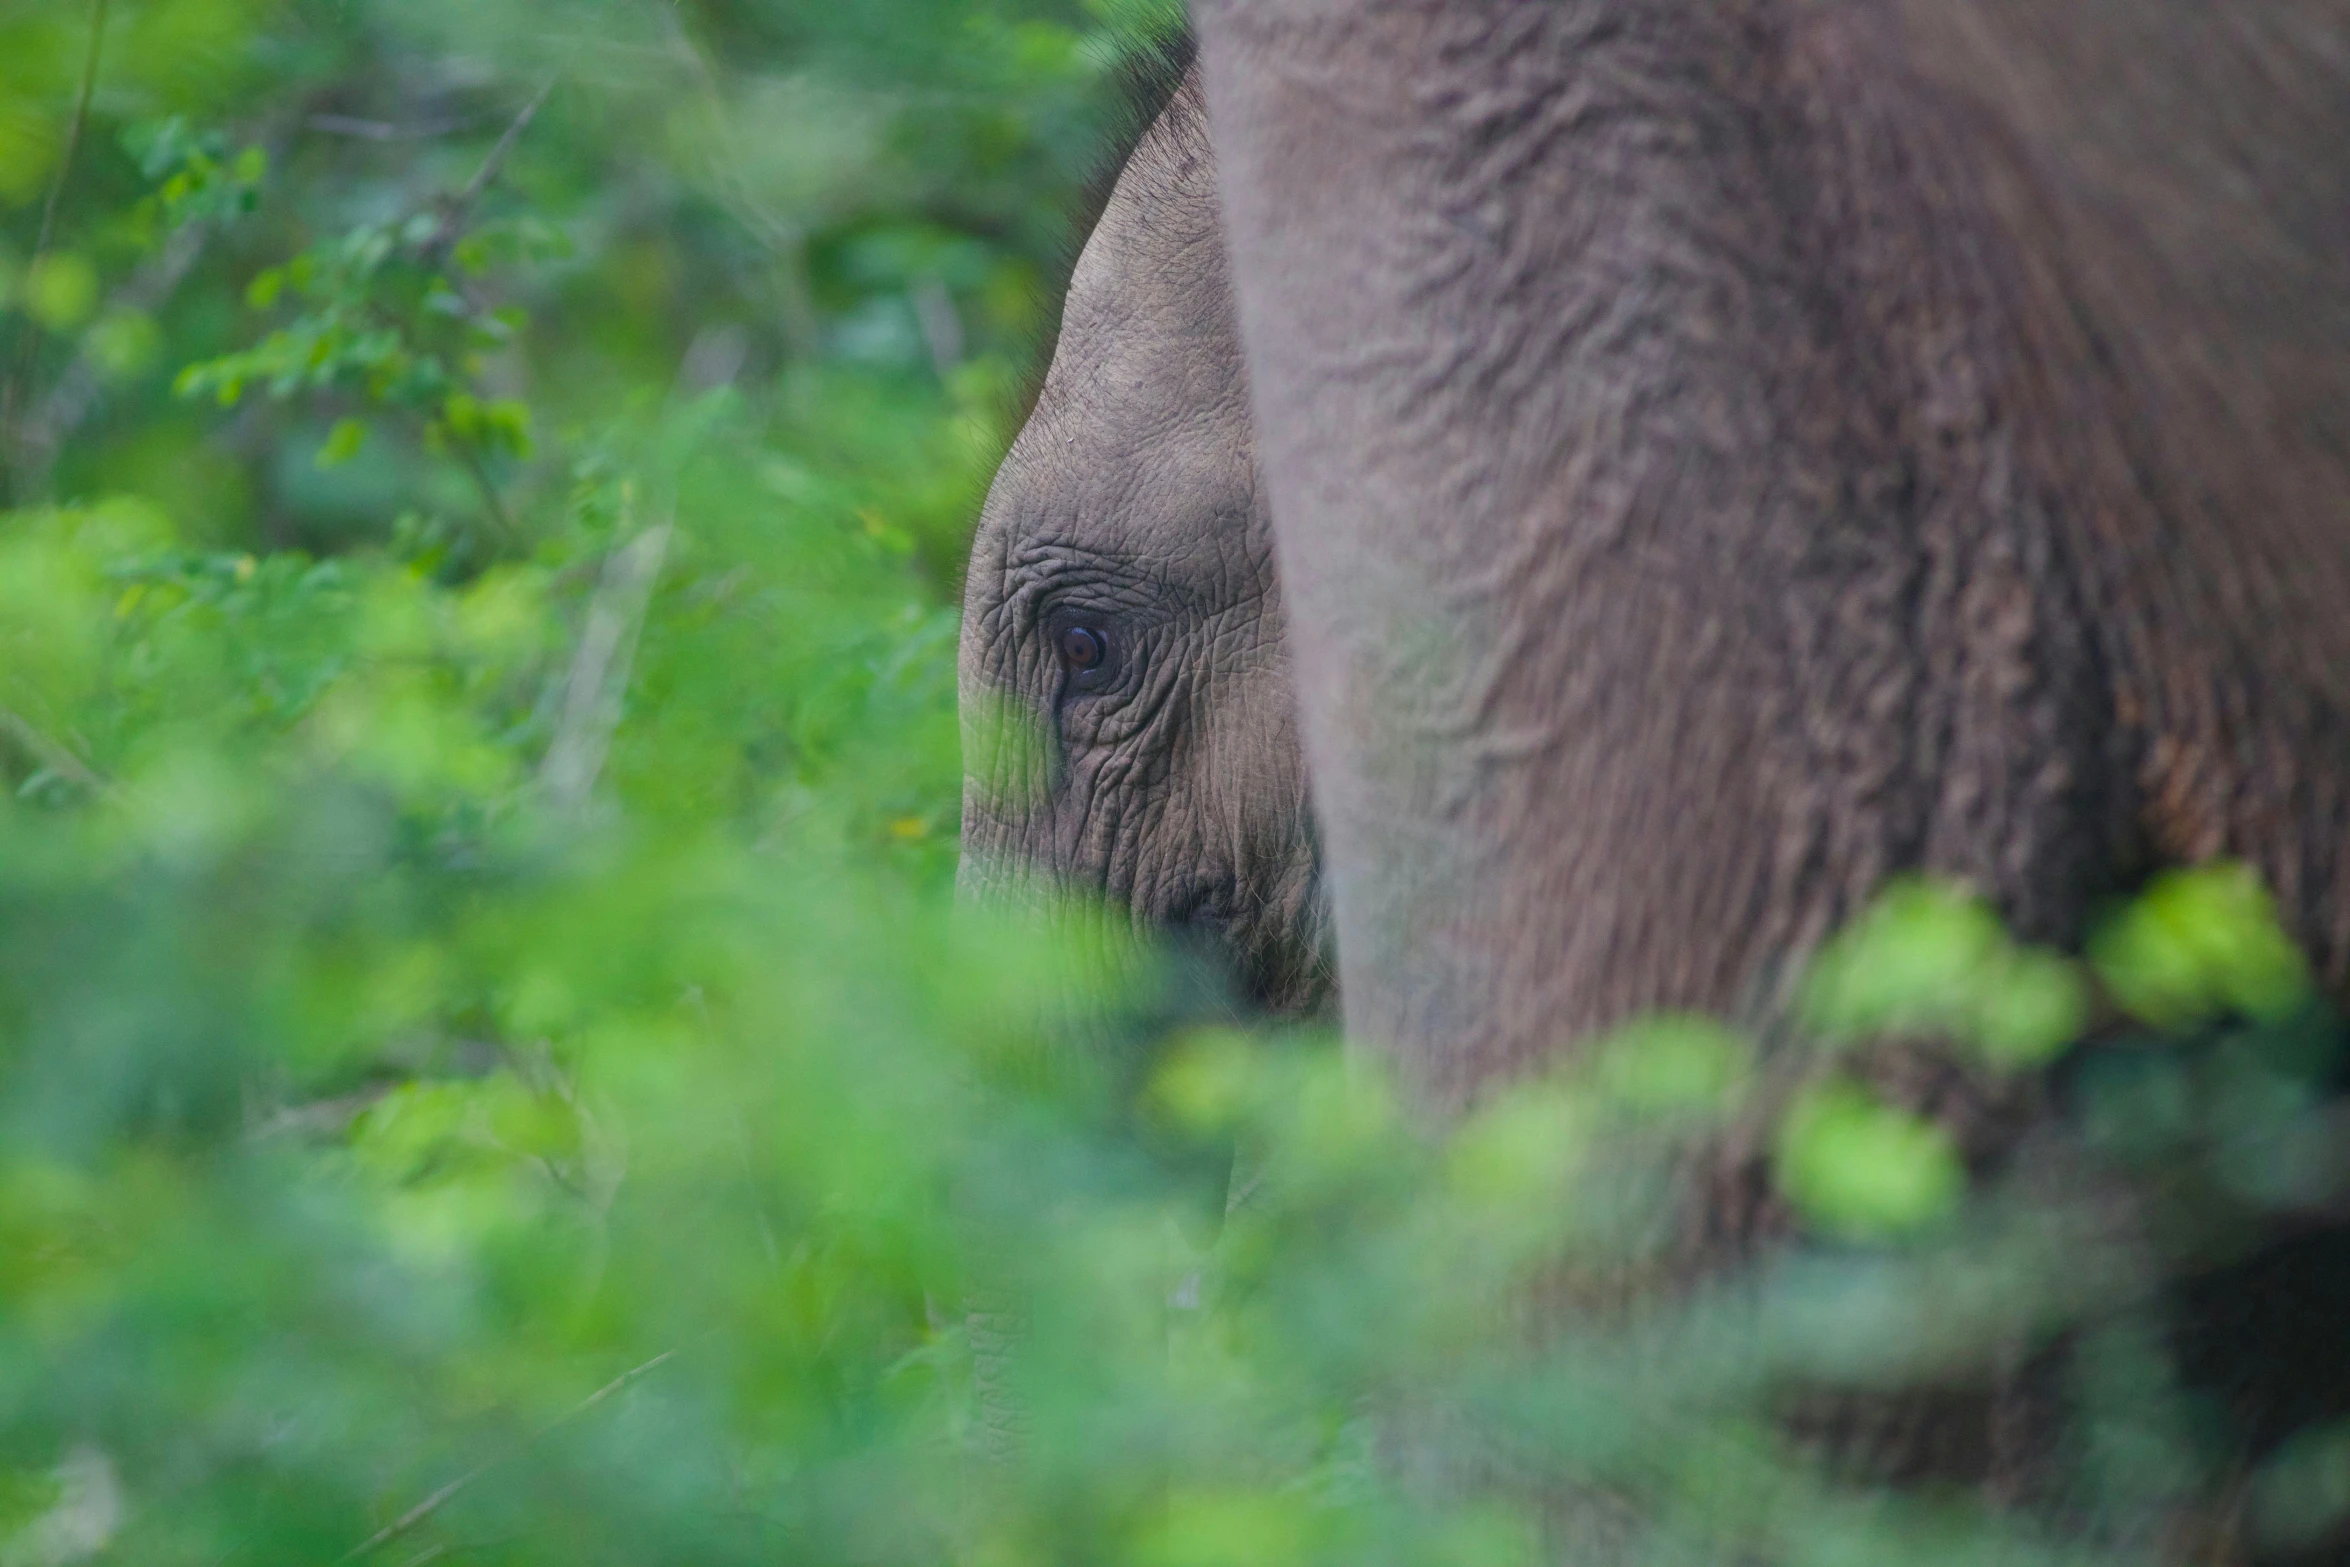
(1722, 456)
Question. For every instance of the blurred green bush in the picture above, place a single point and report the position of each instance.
(489, 1066)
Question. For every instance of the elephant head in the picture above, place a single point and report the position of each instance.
(1124, 654)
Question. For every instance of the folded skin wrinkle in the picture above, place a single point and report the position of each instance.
(1121, 601)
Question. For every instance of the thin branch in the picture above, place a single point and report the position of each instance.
(385, 130)
(460, 206)
(596, 693)
(786, 240)
(51, 754)
(417, 1514)
(479, 472)
(455, 211)
(73, 132)
(27, 339)
(46, 424)
(942, 325)
(440, 1498)
(317, 1116)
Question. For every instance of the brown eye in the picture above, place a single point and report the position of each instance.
(1083, 648)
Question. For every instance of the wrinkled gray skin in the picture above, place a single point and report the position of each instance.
(1722, 455)
(1169, 778)
(1747, 457)
(1716, 457)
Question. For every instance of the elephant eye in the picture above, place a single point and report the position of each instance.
(1082, 648)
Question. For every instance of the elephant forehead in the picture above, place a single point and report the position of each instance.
(1174, 510)
(1135, 473)
(1140, 442)
(1148, 327)
(1149, 317)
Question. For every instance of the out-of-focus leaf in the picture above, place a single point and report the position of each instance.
(1675, 1065)
(342, 443)
(2199, 942)
(2302, 1494)
(1860, 1168)
(60, 290)
(413, 1149)
(1931, 960)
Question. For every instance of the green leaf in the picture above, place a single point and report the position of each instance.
(61, 290)
(1911, 964)
(2030, 1010)
(1930, 960)
(342, 443)
(2302, 1493)
(1675, 1064)
(2198, 943)
(124, 343)
(1858, 1168)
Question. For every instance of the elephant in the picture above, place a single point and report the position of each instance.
(1911, 577)
(1121, 596)
(1722, 456)
(1547, 505)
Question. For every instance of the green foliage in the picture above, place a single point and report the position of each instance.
(1860, 1168)
(197, 177)
(2200, 943)
(1930, 959)
(491, 1068)
(388, 314)
(1673, 1064)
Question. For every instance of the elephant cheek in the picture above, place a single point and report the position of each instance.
(982, 884)
(1010, 761)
